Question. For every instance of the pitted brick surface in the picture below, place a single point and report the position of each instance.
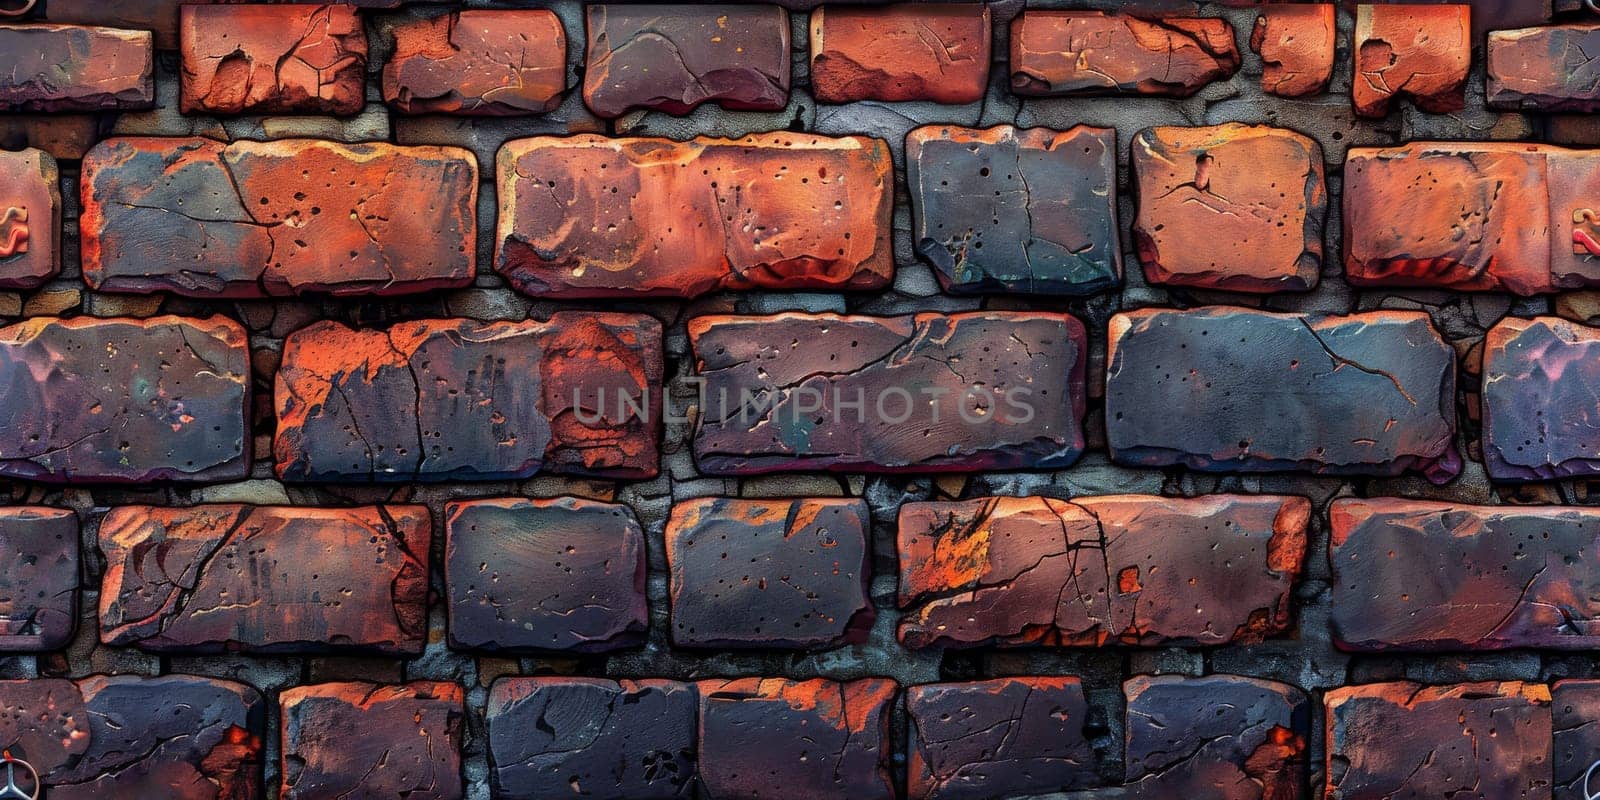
(1297, 45)
(1413, 51)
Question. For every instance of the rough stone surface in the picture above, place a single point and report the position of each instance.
(39, 585)
(594, 216)
(265, 578)
(460, 399)
(1123, 569)
(769, 573)
(160, 17)
(563, 575)
(1477, 741)
(199, 217)
(124, 400)
(673, 58)
(1539, 380)
(1099, 53)
(30, 219)
(1545, 68)
(778, 739)
(272, 59)
(933, 52)
(931, 392)
(359, 739)
(1007, 737)
(1016, 210)
(1221, 737)
(592, 738)
(1233, 207)
(1574, 707)
(1296, 44)
(1418, 52)
(1229, 389)
(479, 62)
(75, 68)
(178, 737)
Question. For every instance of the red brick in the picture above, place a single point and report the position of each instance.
(673, 58)
(1220, 737)
(1128, 569)
(1007, 737)
(30, 219)
(369, 740)
(75, 68)
(1296, 45)
(1544, 69)
(1094, 52)
(1540, 378)
(769, 573)
(1234, 207)
(594, 216)
(1418, 52)
(272, 59)
(124, 400)
(918, 51)
(778, 739)
(1484, 741)
(488, 63)
(39, 586)
(265, 579)
(199, 217)
(460, 399)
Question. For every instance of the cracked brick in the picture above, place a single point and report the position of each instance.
(124, 400)
(265, 579)
(360, 739)
(544, 575)
(478, 62)
(769, 573)
(1232, 207)
(75, 68)
(272, 59)
(39, 586)
(1007, 737)
(30, 219)
(934, 52)
(1470, 741)
(180, 737)
(779, 739)
(202, 218)
(1016, 210)
(601, 739)
(596, 216)
(1098, 53)
(460, 399)
(1545, 69)
(1096, 571)
(1418, 52)
(673, 58)
(1221, 737)
(1539, 381)
(1574, 709)
(987, 390)
(1296, 45)
(1223, 389)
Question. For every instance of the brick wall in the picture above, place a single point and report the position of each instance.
(539, 400)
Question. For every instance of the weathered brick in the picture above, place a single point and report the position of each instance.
(1220, 737)
(265, 579)
(63, 136)
(256, 219)
(1544, 69)
(1125, 569)
(563, 574)
(361, 739)
(1094, 52)
(1008, 737)
(1016, 210)
(1296, 45)
(1575, 705)
(460, 399)
(160, 17)
(594, 216)
(75, 68)
(769, 573)
(673, 58)
(1477, 741)
(481, 62)
(39, 586)
(30, 219)
(1235, 207)
(592, 738)
(1430, 576)
(272, 59)
(1226, 389)
(1418, 52)
(124, 400)
(1539, 381)
(796, 740)
(177, 737)
(915, 51)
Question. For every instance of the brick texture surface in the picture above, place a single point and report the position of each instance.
(75, 68)
(1297, 46)
(1536, 407)
(39, 588)
(673, 58)
(1418, 52)
(275, 59)
(490, 63)
(908, 52)
(1006, 737)
(30, 219)
(356, 739)
(1221, 736)
(1093, 52)
(1543, 68)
